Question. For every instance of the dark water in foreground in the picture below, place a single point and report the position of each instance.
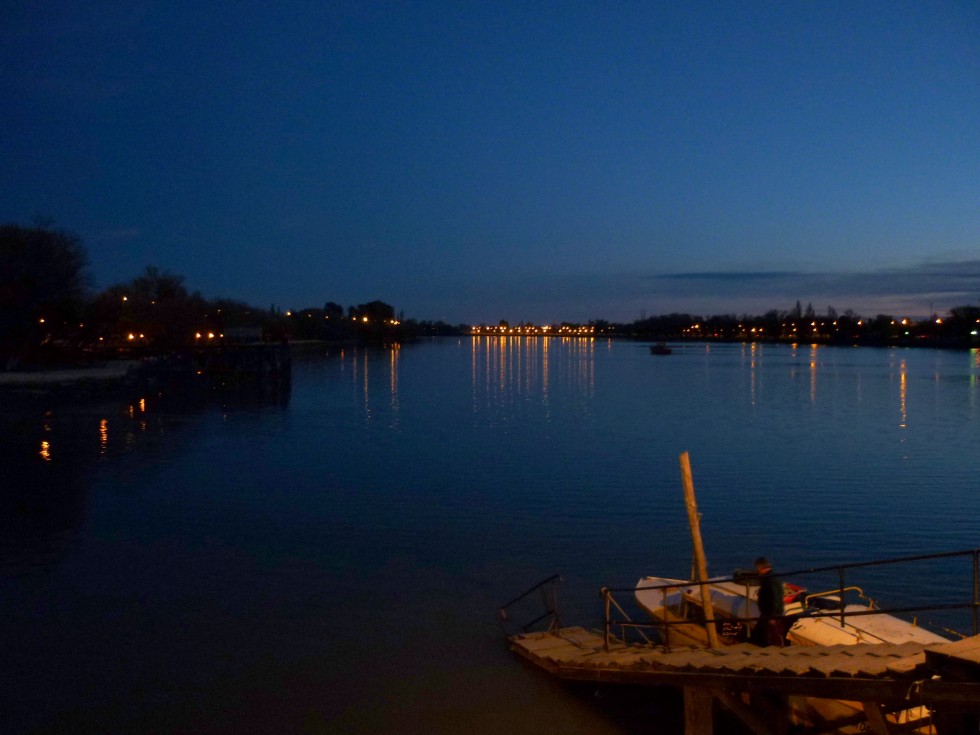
(332, 562)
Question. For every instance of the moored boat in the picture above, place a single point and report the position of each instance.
(810, 620)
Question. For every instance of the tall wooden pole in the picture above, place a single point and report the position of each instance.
(699, 559)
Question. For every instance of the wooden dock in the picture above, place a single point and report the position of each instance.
(883, 677)
(261, 366)
(883, 688)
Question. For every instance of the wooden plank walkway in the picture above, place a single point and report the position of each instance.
(577, 647)
(879, 672)
(964, 654)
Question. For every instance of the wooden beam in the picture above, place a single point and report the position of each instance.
(699, 558)
(962, 695)
(698, 715)
(746, 714)
(887, 692)
(876, 718)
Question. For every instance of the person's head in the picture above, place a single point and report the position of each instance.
(762, 565)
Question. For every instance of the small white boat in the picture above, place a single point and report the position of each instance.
(809, 623)
(806, 614)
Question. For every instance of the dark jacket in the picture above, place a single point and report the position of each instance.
(770, 596)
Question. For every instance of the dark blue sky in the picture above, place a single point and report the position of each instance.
(478, 161)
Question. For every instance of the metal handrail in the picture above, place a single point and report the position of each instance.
(827, 593)
(834, 568)
(550, 602)
(974, 605)
(610, 601)
(550, 605)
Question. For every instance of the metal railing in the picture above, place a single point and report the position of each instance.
(617, 619)
(548, 590)
(625, 625)
(840, 613)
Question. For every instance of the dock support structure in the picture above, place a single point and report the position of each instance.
(876, 718)
(698, 711)
(957, 662)
(767, 714)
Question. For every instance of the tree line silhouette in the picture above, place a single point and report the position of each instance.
(48, 314)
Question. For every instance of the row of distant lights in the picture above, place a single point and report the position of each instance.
(529, 329)
(393, 322)
(545, 330)
(860, 323)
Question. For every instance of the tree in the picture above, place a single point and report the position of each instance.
(963, 324)
(333, 310)
(154, 309)
(883, 327)
(377, 312)
(375, 321)
(43, 285)
(154, 286)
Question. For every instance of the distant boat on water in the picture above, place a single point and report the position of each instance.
(660, 348)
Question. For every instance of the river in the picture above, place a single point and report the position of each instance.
(332, 559)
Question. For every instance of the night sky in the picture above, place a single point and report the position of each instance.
(525, 161)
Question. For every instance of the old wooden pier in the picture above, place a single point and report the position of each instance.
(882, 687)
(743, 678)
(225, 367)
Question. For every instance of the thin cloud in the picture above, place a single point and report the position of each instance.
(918, 289)
(915, 291)
(962, 277)
(727, 276)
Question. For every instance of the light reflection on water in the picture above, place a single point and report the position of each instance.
(231, 566)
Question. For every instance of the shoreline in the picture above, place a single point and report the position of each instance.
(49, 378)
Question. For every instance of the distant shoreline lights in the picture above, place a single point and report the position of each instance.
(531, 330)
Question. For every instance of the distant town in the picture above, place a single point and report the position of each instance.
(958, 328)
(49, 317)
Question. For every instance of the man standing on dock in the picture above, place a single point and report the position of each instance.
(769, 630)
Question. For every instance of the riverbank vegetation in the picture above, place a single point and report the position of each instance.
(957, 328)
(49, 315)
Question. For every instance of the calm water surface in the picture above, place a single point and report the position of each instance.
(331, 561)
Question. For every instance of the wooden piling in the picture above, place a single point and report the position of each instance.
(698, 714)
(699, 558)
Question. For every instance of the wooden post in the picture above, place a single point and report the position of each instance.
(702, 563)
(605, 637)
(760, 723)
(877, 723)
(698, 711)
